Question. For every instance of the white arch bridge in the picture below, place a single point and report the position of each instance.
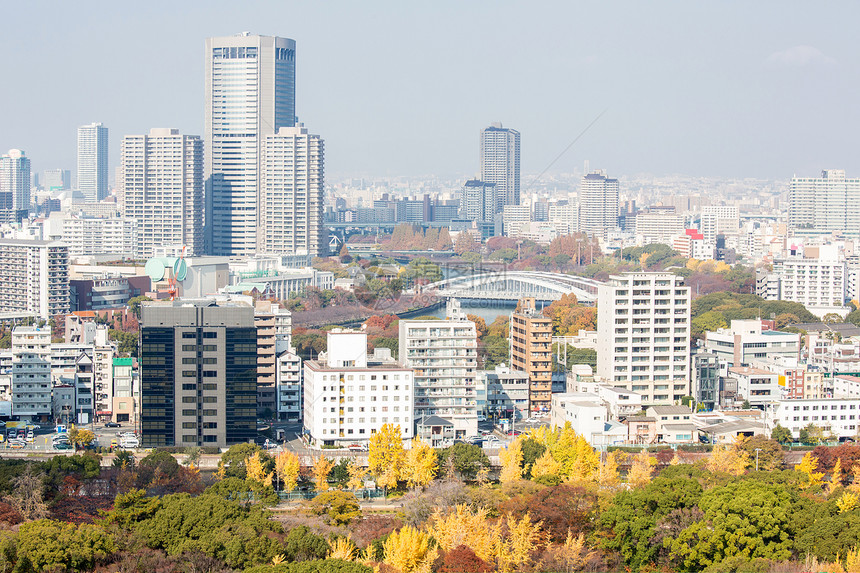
(514, 285)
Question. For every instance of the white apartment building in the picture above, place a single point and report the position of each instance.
(34, 277)
(565, 218)
(162, 189)
(821, 205)
(477, 201)
(291, 207)
(250, 92)
(719, 220)
(598, 205)
(444, 355)
(92, 178)
(289, 386)
(745, 341)
(658, 227)
(643, 330)
(836, 416)
(846, 386)
(507, 392)
(99, 236)
(514, 217)
(585, 413)
(755, 385)
(818, 278)
(31, 373)
(348, 397)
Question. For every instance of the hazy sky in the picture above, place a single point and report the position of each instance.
(737, 89)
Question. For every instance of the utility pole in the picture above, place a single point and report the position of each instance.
(757, 450)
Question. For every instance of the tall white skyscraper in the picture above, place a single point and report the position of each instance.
(162, 189)
(93, 161)
(824, 204)
(250, 93)
(14, 186)
(500, 163)
(291, 193)
(598, 204)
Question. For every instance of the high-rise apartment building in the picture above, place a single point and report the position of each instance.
(478, 201)
(643, 335)
(93, 161)
(500, 163)
(162, 190)
(719, 219)
(34, 277)
(292, 194)
(14, 186)
(198, 374)
(531, 352)
(444, 356)
(100, 236)
(250, 92)
(598, 204)
(824, 204)
(31, 373)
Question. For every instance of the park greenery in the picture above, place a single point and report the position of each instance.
(553, 504)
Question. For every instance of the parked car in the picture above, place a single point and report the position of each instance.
(112, 425)
(62, 446)
(17, 444)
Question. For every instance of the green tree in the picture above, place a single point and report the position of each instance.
(769, 452)
(235, 456)
(781, 434)
(318, 566)
(467, 459)
(134, 305)
(303, 545)
(123, 459)
(629, 523)
(532, 451)
(48, 545)
(213, 526)
(245, 491)
(744, 518)
(708, 322)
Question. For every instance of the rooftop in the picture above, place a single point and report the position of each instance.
(662, 410)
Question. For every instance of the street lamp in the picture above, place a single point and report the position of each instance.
(757, 450)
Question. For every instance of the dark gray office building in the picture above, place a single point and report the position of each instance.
(198, 373)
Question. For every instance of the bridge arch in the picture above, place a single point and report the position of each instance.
(514, 285)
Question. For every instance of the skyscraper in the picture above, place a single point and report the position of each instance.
(824, 204)
(291, 193)
(500, 163)
(598, 204)
(14, 186)
(56, 179)
(250, 93)
(531, 352)
(93, 161)
(478, 201)
(162, 189)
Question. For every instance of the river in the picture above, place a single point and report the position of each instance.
(488, 310)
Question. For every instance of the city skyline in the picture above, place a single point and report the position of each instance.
(682, 95)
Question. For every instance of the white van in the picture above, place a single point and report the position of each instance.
(129, 441)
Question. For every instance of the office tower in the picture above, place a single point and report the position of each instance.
(250, 93)
(531, 352)
(291, 193)
(349, 396)
(198, 374)
(162, 190)
(643, 335)
(31, 373)
(824, 204)
(598, 204)
(477, 201)
(14, 186)
(93, 161)
(443, 354)
(56, 179)
(34, 278)
(500, 163)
